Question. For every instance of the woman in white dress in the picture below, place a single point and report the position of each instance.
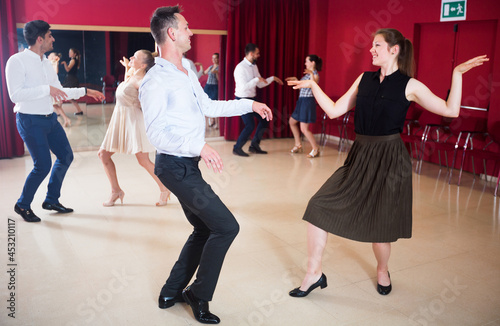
(126, 132)
(54, 60)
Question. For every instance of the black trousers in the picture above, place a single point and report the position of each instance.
(214, 227)
(249, 121)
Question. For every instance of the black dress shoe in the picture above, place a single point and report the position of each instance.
(298, 293)
(200, 308)
(26, 214)
(239, 152)
(167, 302)
(256, 149)
(58, 207)
(384, 290)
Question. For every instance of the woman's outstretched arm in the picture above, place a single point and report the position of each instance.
(416, 91)
(331, 108)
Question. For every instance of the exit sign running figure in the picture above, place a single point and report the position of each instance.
(453, 10)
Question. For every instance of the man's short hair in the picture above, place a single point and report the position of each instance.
(33, 29)
(250, 47)
(163, 18)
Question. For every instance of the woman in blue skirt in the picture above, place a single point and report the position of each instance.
(305, 111)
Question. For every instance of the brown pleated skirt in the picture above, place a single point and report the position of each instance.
(369, 198)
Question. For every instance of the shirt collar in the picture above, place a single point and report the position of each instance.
(388, 77)
(165, 63)
(34, 55)
(162, 62)
(248, 62)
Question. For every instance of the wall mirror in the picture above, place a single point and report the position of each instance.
(100, 68)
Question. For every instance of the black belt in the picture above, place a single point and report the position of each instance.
(195, 158)
(38, 115)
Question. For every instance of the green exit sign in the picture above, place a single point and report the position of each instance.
(453, 10)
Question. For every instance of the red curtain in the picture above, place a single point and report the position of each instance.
(280, 29)
(11, 143)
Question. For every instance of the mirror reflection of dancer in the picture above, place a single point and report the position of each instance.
(126, 132)
(372, 201)
(305, 111)
(32, 82)
(71, 79)
(54, 60)
(175, 106)
(212, 85)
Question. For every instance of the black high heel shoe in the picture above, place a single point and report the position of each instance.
(298, 293)
(384, 290)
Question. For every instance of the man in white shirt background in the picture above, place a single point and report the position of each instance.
(194, 65)
(247, 78)
(32, 83)
(174, 107)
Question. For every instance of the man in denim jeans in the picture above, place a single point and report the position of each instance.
(32, 83)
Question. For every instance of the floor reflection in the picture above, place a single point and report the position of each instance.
(446, 274)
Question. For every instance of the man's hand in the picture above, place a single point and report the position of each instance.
(95, 94)
(262, 80)
(279, 81)
(263, 110)
(58, 94)
(211, 158)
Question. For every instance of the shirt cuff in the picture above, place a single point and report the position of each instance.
(197, 147)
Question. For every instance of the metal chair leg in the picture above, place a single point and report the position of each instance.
(455, 156)
(322, 139)
(463, 159)
(498, 179)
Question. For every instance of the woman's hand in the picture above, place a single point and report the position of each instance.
(308, 72)
(124, 62)
(468, 65)
(297, 84)
(290, 79)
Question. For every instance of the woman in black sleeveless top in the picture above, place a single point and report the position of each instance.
(71, 79)
(369, 198)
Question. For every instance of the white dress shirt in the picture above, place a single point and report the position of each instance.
(246, 78)
(174, 107)
(28, 81)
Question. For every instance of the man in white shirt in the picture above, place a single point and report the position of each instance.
(247, 78)
(193, 65)
(174, 107)
(32, 83)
